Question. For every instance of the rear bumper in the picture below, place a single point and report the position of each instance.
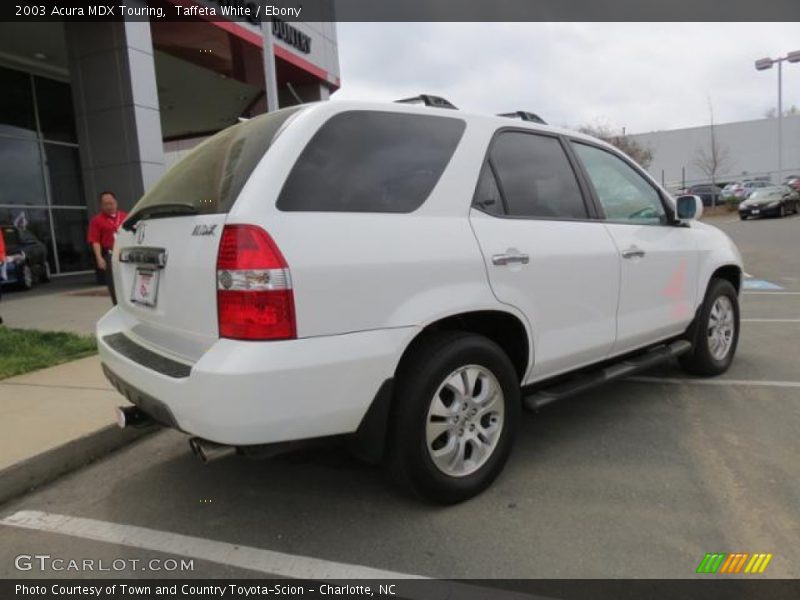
(759, 212)
(247, 393)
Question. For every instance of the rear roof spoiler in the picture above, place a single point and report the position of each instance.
(525, 116)
(428, 100)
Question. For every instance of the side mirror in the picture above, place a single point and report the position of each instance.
(689, 208)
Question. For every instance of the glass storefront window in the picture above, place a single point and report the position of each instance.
(56, 115)
(38, 146)
(16, 104)
(35, 220)
(21, 178)
(64, 169)
(70, 227)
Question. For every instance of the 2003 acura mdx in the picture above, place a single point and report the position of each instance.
(409, 276)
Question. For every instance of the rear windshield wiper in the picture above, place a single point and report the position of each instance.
(158, 211)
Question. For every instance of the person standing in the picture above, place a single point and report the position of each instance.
(102, 229)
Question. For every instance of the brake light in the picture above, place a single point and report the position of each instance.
(254, 287)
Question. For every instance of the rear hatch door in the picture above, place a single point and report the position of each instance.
(165, 254)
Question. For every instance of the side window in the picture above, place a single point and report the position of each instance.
(371, 161)
(535, 176)
(624, 193)
(487, 195)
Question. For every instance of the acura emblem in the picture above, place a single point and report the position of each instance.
(140, 233)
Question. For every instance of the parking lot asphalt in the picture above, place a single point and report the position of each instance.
(639, 479)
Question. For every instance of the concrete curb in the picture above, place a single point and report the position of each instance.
(43, 468)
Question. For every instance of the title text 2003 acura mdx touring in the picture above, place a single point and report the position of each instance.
(410, 276)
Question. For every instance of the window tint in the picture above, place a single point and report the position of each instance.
(10, 236)
(487, 195)
(371, 161)
(211, 176)
(535, 177)
(623, 192)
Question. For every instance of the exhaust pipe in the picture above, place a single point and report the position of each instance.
(209, 451)
(133, 416)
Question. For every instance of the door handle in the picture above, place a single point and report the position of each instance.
(508, 258)
(633, 252)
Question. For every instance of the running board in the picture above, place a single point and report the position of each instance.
(593, 378)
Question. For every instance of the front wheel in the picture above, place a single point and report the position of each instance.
(715, 333)
(45, 274)
(456, 411)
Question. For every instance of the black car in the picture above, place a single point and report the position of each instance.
(773, 201)
(26, 258)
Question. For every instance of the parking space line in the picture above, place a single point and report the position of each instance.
(718, 382)
(749, 293)
(243, 557)
(770, 320)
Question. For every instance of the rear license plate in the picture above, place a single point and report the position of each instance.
(145, 287)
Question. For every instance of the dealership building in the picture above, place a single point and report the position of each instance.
(93, 106)
(746, 150)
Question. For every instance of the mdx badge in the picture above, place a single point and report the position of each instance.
(204, 229)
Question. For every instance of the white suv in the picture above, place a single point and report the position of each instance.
(406, 276)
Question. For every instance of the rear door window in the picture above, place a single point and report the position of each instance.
(535, 177)
(371, 161)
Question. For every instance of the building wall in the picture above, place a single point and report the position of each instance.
(752, 148)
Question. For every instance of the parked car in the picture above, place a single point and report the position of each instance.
(405, 277)
(742, 190)
(26, 258)
(775, 201)
(793, 181)
(710, 194)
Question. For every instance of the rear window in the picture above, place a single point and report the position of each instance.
(10, 236)
(211, 176)
(371, 161)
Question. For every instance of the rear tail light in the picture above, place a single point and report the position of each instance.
(254, 287)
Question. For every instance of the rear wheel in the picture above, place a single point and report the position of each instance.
(26, 277)
(456, 411)
(715, 334)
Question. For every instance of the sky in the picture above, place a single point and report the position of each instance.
(637, 76)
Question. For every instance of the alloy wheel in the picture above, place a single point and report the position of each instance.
(465, 421)
(721, 328)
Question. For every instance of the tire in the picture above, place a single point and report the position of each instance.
(26, 277)
(482, 443)
(44, 274)
(707, 358)
(743, 217)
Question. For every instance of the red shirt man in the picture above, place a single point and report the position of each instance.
(102, 229)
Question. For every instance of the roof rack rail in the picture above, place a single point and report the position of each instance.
(428, 100)
(525, 116)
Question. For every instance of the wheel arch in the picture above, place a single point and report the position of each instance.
(732, 273)
(503, 328)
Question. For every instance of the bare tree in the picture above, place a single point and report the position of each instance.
(642, 155)
(714, 158)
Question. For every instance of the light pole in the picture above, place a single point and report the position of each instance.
(763, 64)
